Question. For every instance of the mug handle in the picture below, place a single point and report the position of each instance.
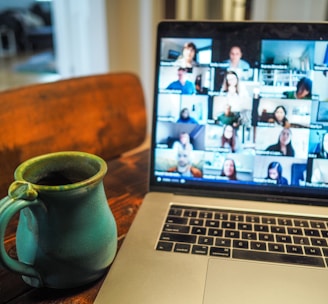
(20, 195)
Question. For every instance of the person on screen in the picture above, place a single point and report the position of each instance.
(228, 117)
(279, 117)
(230, 84)
(229, 169)
(183, 143)
(235, 59)
(187, 58)
(275, 173)
(183, 85)
(303, 90)
(229, 139)
(185, 117)
(284, 144)
(237, 64)
(236, 95)
(184, 166)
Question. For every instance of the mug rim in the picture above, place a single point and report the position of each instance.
(21, 169)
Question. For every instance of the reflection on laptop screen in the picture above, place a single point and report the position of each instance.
(242, 104)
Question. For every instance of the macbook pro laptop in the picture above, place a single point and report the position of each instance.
(237, 209)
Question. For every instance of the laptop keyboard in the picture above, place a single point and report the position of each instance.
(245, 235)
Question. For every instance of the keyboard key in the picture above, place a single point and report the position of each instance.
(176, 228)
(237, 217)
(301, 240)
(266, 237)
(312, 251)
(196, 222)
(318, 242)
(221, 216)
(205, 240)
(301, 223)
(294, 231)
(311, 232)
(164, 246)
(276, 247)
(318, 225)
(261, 228)
(277, 257)
(212, 223)
(176, 220)
(244, 226)
(183, 248)
(283, 238)
(252, 219)
(232, 234)
(206, 215)
(175, 211)
(196, 249)
(198, 230)
(215, 232)
(258, 245)
(240, 244)
(221, 242)
(178, 237)
(294, 249)
(190, 213)
(284, 222)
(220, 252)
(278, 229)
(269, 220)
(248, 236)
(228, 225)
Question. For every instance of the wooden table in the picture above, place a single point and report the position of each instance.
(125, 185)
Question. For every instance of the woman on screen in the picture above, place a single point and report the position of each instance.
(279, 117)
(187, 58)
(234, 93)
(275, 174)
(185, 117)
(284, 144)
(229, 169)
(229, 138)
(183, 143)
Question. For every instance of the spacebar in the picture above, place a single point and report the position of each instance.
(278, 258)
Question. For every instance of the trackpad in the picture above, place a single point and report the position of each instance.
(234, 281)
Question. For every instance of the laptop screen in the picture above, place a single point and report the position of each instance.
(241, 108)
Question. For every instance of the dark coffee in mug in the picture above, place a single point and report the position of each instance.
(60, 178)
(60, 171)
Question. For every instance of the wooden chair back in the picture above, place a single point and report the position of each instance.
(100, 114)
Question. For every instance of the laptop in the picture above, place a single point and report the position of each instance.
(237, 204)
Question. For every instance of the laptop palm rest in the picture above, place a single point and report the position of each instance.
(257, 283)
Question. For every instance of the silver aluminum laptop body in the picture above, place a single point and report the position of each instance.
(256, 172)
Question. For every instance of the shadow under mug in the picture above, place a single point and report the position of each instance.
(66, 235)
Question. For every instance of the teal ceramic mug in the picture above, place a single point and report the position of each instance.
(66, 235)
